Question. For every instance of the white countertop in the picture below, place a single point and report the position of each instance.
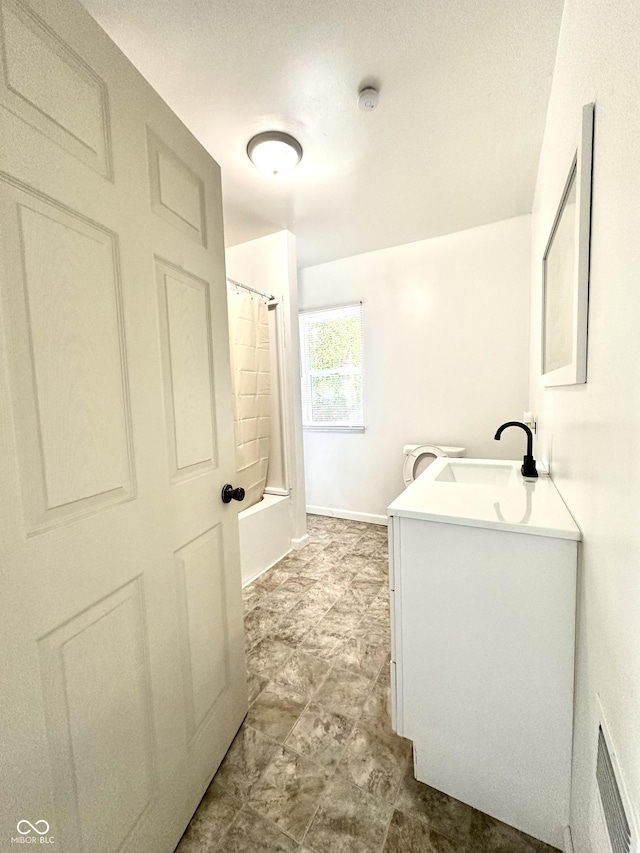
(534, 508)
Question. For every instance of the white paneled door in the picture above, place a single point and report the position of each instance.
(122, 664)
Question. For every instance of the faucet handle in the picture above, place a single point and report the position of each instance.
(529, 470)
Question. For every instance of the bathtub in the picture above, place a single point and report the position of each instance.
(265, 535)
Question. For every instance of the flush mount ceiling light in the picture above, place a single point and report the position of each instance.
(274, 153)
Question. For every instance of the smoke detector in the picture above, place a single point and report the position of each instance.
(368, 99)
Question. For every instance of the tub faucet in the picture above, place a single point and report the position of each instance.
(529, 470)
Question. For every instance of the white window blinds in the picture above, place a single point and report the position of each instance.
(331, 368)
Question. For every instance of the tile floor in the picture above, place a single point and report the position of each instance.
(315, 767)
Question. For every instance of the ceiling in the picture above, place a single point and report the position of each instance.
(454, 142)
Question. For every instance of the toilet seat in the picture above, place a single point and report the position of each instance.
(416, 454)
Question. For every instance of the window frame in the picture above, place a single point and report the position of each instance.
(306, 374)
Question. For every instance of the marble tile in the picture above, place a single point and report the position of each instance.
(216, 811)
(317, 568)
(344, 692)
(375, 762)
(373, 632)
(312, 550)
(347, 566)
(282, 572)
(368, 590)
(350, 536)
(268, 656)
(351, 603)
(321, 527)
(321, 735)
(251, 832)
(339, 583)
(376, 713)
(379, 608)
(269, 580)
(488, 835)
(325, 641)
(378, 618)
(250, 598)
(321, 533)
(294, 561)
(281, 600)
(276, 711)
(245, 762)
(288, 792)
(385, 672)
(337, 577)
(348, 820)
(292, 628)
(366, 546)
(298, 583)
(384, 592)
(255, 684)
(335, 550)
(375, 569)
(338, 622)
(316, 602)
(357, 655)
(302, 673)
(408, 835)
(381, 552)
(444, 814)
(330, 521)
(376, 621)
(259, 623)
(353, 563)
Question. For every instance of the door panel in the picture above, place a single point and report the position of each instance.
(66, 313)
(185, 334)
(203, 625)
(99, 714)
(51, 87)
(177, 194)
(121, 615)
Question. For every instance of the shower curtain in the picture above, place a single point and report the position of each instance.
(250, 372)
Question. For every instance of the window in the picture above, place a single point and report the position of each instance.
(331, 362)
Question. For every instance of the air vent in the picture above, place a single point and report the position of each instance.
(612, 804)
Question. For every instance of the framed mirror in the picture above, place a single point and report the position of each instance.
(565, 270)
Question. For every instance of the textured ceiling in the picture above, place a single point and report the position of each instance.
(454, 143)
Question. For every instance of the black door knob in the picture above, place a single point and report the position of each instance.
(229, 494)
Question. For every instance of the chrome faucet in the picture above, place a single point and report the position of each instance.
(529, 470)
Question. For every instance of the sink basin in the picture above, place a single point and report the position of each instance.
(482, 474)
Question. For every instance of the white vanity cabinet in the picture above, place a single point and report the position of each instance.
(483, 625)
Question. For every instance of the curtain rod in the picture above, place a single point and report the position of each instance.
(268, 296)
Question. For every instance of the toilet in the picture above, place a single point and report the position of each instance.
(420, 456)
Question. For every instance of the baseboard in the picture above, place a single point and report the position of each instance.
(296, 544)
(365, 517)
(568, 841)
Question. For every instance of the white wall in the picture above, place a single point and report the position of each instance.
(591, 433)
(269, 264)
(446, 327)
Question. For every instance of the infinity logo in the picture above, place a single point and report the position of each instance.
(31, 827)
